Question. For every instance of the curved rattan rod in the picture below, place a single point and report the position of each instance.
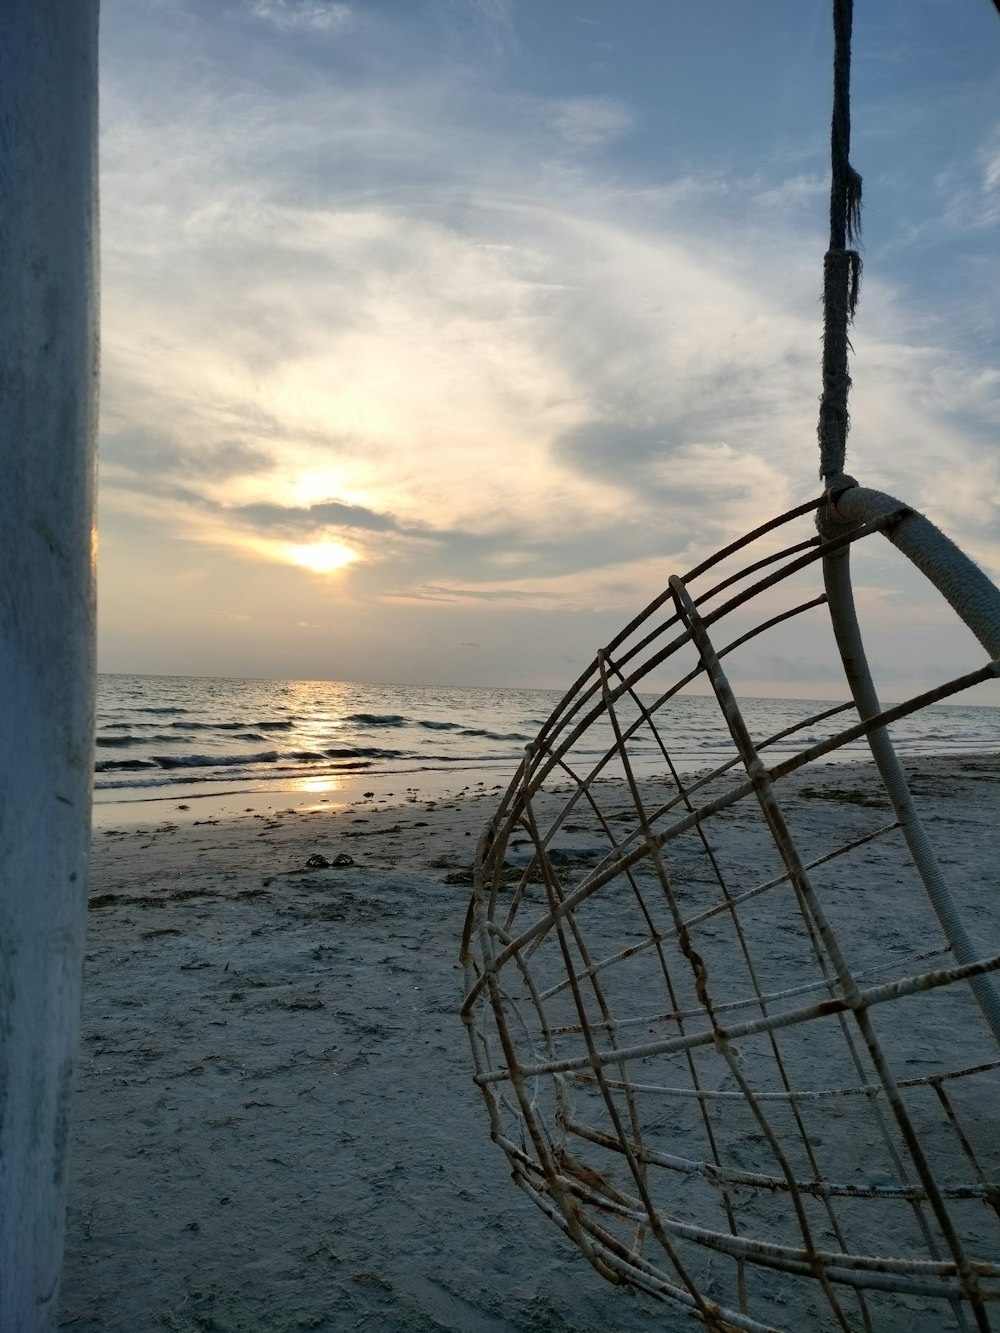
(743, 572)
(641, 1273)
(874, 995)
(630, 1266)
(872, 1272)
(868, 1271)
(776, 1184)
(805, 1094)
(641, 645)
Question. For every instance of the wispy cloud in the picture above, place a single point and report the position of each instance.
(991, 164)
(320, 15)
(589, 122)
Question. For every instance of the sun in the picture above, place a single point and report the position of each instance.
(321, 557)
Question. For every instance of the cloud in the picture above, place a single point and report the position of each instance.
(289, 521)
(589, 122)
(489, 19)
(319, 15)
(432, 593)
(991, 164)
(382, 308)
(131, 451)
(528, 391)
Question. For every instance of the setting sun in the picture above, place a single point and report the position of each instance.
(321, 557)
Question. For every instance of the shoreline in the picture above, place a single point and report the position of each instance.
(195, 802)
(276, 1126)
(191, 803)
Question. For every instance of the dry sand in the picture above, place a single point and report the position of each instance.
(276, 1126)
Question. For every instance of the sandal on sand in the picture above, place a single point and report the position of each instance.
(318, 862)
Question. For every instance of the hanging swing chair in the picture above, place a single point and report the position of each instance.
(747, 1060)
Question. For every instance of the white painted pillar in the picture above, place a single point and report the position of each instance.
(48, 380)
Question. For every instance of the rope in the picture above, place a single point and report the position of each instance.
(841, 265)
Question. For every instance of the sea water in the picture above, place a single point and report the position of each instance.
(181, 739)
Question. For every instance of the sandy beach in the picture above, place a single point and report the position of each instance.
(276, 1126)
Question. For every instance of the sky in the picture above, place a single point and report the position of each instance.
(437, 334)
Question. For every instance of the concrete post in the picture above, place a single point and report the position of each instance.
(48, 381)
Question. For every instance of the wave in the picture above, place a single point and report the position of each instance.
(214, 760)
(129, 780)
(368, 752)
(206, 726)
(378, 719)
(496, 735)
(121, 765)
(119, 741)
(284, 724)
(359, 754)
(438, 726)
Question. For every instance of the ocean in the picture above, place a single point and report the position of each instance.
(198, 745)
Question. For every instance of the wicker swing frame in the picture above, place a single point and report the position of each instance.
(754, 1132)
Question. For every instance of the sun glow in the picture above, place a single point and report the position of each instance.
(321, 557)
(327, 783)
(316, 487)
